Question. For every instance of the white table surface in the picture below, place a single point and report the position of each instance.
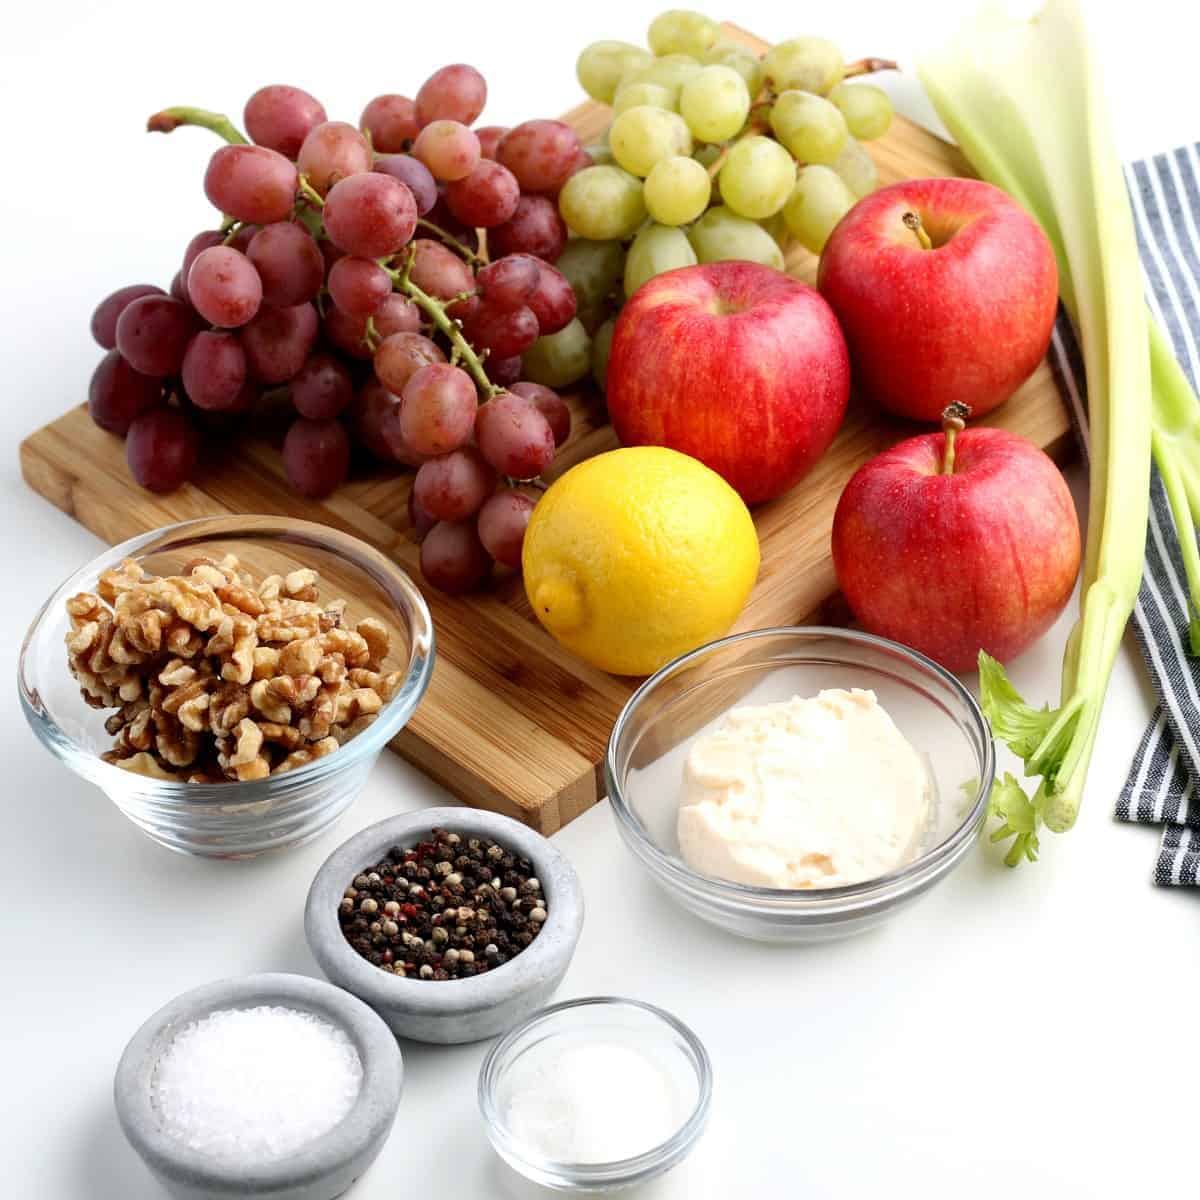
(1016, 1033)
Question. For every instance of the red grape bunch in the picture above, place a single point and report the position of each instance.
(348, 288)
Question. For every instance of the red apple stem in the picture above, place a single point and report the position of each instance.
(913, 222)
(954, 421)
(868, 66)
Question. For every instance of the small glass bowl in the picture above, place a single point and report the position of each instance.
(233, 820)
(652, 735)
(650, 1030)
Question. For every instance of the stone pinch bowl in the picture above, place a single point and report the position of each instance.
(322, 1169)
(449, 1010)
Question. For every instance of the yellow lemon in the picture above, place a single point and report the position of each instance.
(639, 555)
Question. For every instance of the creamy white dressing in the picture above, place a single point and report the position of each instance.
(808, 793)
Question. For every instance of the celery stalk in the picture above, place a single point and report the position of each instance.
(1024, 102)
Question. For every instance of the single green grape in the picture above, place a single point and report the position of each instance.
(748, 66)
(559, 359)
(600, 66)
(857, 169)
(601, 349)
(757, 177)
(592, 269)
(809, 126)
(657, 248)
(818, 202)
(603, 203)
(867, 109)
(677, 190)
(633, 94)
(671, 72)
(714, 103)
(720, 235)
(643, 135)
(807, 64)
(680, 31)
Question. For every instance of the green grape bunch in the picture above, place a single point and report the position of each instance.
(713, 153)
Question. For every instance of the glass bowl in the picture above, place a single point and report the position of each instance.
(233, 820)
(652, 735)
(608, 1020)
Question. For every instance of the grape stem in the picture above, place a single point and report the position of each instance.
(450, 240)
(310, 193)
(436, 311)
(171, 118)
(868, 66)
(231, 228)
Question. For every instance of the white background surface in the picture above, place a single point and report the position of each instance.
(1018, 1033)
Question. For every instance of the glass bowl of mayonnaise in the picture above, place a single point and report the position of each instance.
(800, 784)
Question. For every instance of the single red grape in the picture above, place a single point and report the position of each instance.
(486, 197)
(109, 310)
(118, 394)
(161, 449)
(453, 559)
(251, 183)
(550, 404)
(400, 355)
(534, 228)
(502, 522)
(278, 341)
(333, 151)
(224, 287)
(289, 263)
(450, 150)
(281, 117)
(214, 371)
(514, 436)
(453, 486)
(489, 138)
(391, 122)
(397, 314)
(508, 282)
(539, 153)
(316, 456)
(153, 333)
(502, 371)
(368, 411)
(415, 176)
(439, 271)
(553, 300)
(438, 412)
(358, 286)
(502, 331)
(322, 389)
(454, 93)
(371, 214)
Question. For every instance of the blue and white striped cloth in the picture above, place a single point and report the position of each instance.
(1161, 787)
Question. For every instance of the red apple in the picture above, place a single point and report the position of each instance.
(737, 365)
(946, 290)
(983, 557)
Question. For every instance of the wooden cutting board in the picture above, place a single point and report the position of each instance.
(511, 721)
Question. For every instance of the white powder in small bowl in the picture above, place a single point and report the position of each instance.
(248, 1085)
(592, 1102)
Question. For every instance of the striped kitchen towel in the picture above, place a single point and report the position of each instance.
(1161, 787)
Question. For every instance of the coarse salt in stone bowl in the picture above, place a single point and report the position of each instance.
(449, 1010)
(319, 1169)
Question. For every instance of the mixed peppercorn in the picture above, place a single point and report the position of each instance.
(447, 908)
